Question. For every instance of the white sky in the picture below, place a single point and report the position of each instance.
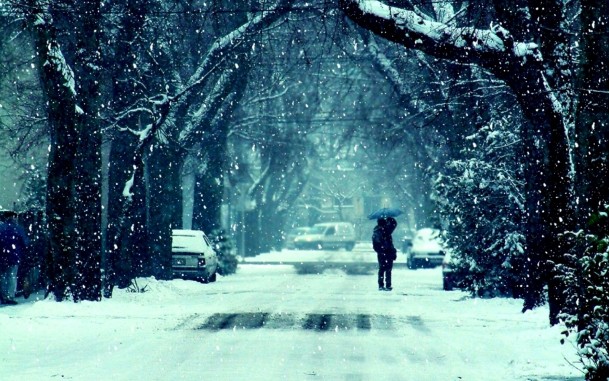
(172, 331)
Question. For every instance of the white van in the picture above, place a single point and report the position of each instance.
(328, 235)
(192, 256)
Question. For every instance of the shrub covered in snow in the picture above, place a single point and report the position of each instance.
(481, 196)
(225, 250)
(585, 274)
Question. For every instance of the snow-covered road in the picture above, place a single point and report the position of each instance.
(276, 322)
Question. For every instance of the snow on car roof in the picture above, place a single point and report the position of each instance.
(428, 233)
(187, 241)
(427, 240)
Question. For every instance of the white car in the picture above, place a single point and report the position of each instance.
(426, 250)
(292, 234)
(328, 235)
(192, 256)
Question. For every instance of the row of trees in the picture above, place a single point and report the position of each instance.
(551, 55)
(114, 74)
(224, 96)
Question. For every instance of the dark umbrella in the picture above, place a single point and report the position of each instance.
(384, 213)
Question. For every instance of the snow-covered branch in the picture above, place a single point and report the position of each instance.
(56, 61)
(444, 38)
(271, 96)
(53, 62)
(218, 51)
(258, 183)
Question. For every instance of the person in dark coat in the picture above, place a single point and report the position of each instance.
(382, 242)
(13, 242)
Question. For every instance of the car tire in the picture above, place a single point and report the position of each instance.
(447, 284)
(412, 265)
(213, 277)
(349, 246)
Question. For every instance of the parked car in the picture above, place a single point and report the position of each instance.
(192, 256)
(426, 250)
(292, 234)
(407, 243)
(328, 236)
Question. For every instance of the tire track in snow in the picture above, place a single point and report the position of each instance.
(316, 322)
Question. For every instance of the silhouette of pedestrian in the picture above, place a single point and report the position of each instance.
(382, 242)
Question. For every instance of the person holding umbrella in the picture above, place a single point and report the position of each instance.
(382, 242)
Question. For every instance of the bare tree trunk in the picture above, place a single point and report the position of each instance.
(209, 184)
(209, 188)
(126, 254)
(87, 259)
(74, 174)
(60, 177)
(164, 206)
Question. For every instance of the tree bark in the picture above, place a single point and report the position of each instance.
(164, 170)
(87, 258)
(126, 243)
(74, 177)
(126, 254)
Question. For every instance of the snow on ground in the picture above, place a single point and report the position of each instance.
(284, 322)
